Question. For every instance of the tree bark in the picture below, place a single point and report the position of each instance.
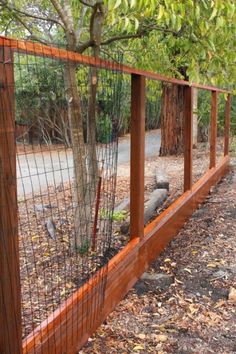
(91, 128)
(172, 137)
(83, 208)
(195, 116)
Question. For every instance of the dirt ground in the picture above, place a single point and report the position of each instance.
(191, 306)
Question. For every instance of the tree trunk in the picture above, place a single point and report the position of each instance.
(172, 103)
(91, 128)
(83, 210)
(195, 116)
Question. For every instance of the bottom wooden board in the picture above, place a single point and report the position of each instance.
(69, 327)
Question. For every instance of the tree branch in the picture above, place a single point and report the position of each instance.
(32, 35)
(60, 12)
(82, 47)
(27, 14)
(80, 22)
(83, 2)
(139, 34)
(121, 37)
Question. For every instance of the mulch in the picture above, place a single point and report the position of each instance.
(196, 313)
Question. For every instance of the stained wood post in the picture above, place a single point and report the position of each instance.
(227, 125)
(137, 156)
(213, 132)
(10, 311)
(188, 138)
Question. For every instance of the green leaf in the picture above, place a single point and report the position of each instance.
(136, 23)
(213, 14)
(132, 3)
(197, 12)
(127, 22)
(161, 12)
(117, 4)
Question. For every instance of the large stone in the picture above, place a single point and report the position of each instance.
(154, 282)
(162, 180)
(124, 205)
(157, 197)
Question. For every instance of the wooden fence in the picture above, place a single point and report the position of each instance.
(58, 334)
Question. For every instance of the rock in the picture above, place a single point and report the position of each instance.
(220, 274)
(124, 205)
(199, 213)
(232, 295)
(51, 228)
(154, 282)
(160, 278)
(162, 180)
(157, 197)
(42, 207)
(124, 229)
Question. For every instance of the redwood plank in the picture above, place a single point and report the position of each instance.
(188, 138)
(137, 156)
(227, 125)
(213, 131)
(121, 274)
(10, 295)
(39, 49)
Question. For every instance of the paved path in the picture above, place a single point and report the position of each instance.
(37, 171)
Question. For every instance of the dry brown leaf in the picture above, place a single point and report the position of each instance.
(141, 336)
(232, 295)
(161, 338)
(137, 348)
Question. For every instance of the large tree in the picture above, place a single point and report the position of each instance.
(80, 26)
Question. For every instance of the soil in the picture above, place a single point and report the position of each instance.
(196, 312)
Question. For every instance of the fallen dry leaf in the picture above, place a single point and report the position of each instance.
(137, 348)
(232, 295)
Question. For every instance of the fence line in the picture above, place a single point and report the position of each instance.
(62, 54)
(69, 326)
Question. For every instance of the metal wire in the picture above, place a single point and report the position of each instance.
(65, 206)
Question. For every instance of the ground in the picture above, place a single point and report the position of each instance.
(193, 309)
(51, 270)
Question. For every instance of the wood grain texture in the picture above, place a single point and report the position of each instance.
(188, 138)
(213, 131)
(59, 334)
(137, 156)
(10, 294)
(227, 125)
(64, 55)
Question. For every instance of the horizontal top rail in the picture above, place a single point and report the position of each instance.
(39, 49)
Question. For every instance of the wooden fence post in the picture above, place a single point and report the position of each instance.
(213, 132)
(188, 138)
(10, 298)
(137, 156)
(227, 125)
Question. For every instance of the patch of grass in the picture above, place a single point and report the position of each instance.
(84, 248)
(114, 216)
(119, 215)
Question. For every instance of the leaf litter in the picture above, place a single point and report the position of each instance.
(196, 314)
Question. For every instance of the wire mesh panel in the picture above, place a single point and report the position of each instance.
(67, 125)
(201, 128)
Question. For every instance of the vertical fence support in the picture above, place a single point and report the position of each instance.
(10, 311)
(213, 132)
(137, 156)
(227, 125)
(188, 138)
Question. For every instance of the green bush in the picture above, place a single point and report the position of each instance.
(104, 129)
